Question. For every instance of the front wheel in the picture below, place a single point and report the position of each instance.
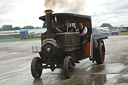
(100, 53)
(68, 66)
(36, 67)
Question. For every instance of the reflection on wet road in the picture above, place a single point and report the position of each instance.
(15, 60)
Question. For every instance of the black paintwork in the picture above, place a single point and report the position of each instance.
(49, 23)
(64, 44)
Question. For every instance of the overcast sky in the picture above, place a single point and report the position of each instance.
(27, 12)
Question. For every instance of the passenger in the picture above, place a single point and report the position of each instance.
(71, 29)
(83, 36)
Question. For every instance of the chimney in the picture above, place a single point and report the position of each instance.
(49, 21)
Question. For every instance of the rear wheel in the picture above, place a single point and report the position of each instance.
(68, 66)
(100, 53)
(36, 67)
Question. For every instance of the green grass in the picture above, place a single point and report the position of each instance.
(123, 33)
(17, 39)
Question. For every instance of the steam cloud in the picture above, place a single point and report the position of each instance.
(74, 6)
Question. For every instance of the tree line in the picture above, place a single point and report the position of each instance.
(10, 27)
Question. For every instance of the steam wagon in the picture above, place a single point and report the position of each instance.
(61, 46)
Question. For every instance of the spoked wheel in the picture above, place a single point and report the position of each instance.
(100, 53)
(36, 67)
(68, 66)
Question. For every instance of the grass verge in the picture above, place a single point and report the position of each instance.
(123, 33)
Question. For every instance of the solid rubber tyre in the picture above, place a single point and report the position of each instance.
(36, 67)
(68, 66)
(100, 53)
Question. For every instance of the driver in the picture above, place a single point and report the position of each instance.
(58, 27)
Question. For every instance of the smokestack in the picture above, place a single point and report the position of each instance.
(49, 21)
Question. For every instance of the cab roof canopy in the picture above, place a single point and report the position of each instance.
(70, 18)
(70, 15)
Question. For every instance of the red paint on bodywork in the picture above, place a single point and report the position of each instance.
(87, 49)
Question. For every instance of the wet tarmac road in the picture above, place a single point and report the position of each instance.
(15, 60)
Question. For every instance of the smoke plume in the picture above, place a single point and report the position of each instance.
(72, 6)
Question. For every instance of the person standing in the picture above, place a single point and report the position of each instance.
(83, 37)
